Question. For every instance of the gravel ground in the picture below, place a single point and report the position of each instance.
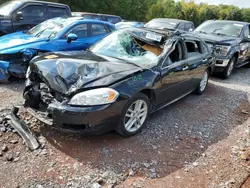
(195, 142)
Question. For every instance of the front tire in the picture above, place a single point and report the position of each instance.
(203, 83)
(229, 68)
(134, 115)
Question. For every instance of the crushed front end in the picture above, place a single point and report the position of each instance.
(15, 64)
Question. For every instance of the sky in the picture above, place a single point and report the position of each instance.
(239, 3)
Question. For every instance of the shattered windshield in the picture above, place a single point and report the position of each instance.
(7, 8)
(124, 45)
(221, 28)
(50, 28)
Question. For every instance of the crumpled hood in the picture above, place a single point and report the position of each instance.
(17, 39)
(68, 72)
(219, 39)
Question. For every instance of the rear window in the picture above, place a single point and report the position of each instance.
(111, 19)
(57, 11)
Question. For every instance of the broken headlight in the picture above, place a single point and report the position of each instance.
(95, 97)
(28, 54)
(222, 50)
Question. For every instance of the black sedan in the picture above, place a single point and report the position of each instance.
(118, 82)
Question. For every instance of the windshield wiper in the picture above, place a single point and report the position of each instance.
(203, 32)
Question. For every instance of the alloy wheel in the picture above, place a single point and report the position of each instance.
(203, 82)
(230, 68)
(136, 116)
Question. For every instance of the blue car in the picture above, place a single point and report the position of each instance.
(58, 34)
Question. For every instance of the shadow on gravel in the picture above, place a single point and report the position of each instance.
(172, 138)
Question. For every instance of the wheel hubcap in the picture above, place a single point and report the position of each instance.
(203, 83)
(136, 116)
(230, 68)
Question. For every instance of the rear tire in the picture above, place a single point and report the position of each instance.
(203, 83)
(230, 67)
(134, 115)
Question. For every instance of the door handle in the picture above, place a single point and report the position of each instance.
(185, 68)
(204, 60)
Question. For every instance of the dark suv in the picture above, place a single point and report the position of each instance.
(172, 24)
(231, 40)
(23, 14)
(96, 16)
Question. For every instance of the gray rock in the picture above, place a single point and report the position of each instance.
(5, 148)
(9, 157)
(1, 120)
(96, 185)
(13, 141)
(39, 186)
(131, 172)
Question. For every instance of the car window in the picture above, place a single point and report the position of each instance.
(246, 32)
(111, 19)
(57, 11)
(98, 29)
(80, 30)
(188, 26)
(175, 56)
(33, 12)
(194, 48)
(181, 26)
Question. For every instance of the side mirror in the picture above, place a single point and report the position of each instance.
(71, 37)
(190, 30)
(19, 16)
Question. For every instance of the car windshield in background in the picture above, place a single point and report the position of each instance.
(7, 8)
(221, 28)
(50, 28)
(161, 24)
(124, 45)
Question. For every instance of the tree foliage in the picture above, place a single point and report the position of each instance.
(144, 10)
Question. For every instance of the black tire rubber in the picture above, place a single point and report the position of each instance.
(198, 89)
(121, 128)
(224, 74)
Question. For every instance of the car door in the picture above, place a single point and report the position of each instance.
(245, 44)
(197, 60)
(174, 75)
(82, 43)
(31, 15)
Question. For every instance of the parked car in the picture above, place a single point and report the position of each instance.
(231, 40)
(57, 34)
(173, 24)
(127, 24)
(118, 82)
(95, 16)
(24, 14)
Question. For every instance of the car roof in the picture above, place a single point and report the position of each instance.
(170, 19)
(229, 21)
(170, 33)
(44, 2)
(90, 13)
